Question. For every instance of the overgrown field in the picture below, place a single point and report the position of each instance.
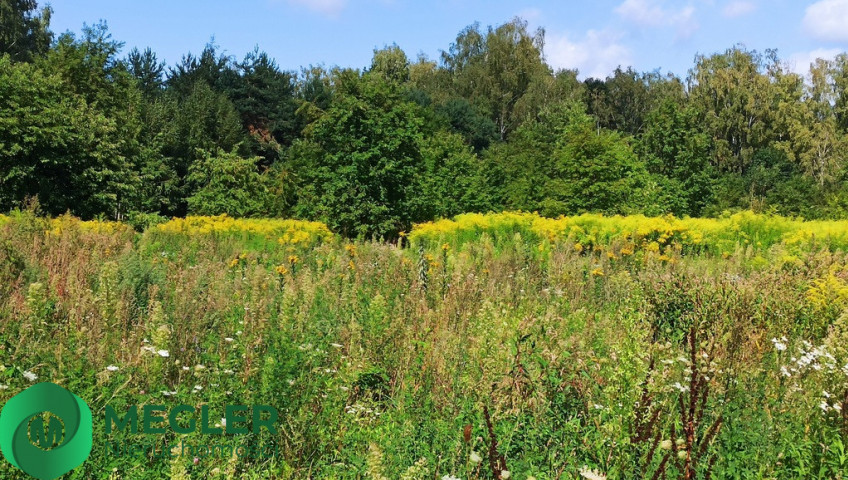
(629, 347)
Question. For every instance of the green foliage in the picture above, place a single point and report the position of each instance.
(592, 172)
(147, 70)
(54, 145)
(24, 35)
(452, 180)
(494, 69)
(561, 164)
(223, 182)
(360, 174)
(100, 135)
(675, 149)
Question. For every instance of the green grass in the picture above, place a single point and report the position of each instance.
(386, 362)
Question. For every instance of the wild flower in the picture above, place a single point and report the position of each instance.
(505, 474)
(475, 458)
(197, 388)
(30, 376)
(163, 353)
(779, 344)
(228, 339)
(665, 445)
(112, 368)
(450, 477)
(589, 474)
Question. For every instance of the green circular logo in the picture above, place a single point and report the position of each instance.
(46, 431)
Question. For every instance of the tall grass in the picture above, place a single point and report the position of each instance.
(479, 353)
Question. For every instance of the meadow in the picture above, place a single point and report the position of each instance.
(497, 346)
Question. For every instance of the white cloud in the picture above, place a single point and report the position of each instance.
(800, 62)
(597, 54)
(330, 8)
(738, 8)
(651, 13)
(827, 20)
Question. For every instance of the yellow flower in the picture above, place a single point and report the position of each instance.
(351, 265)
(234, 262)
(597, 272)
(281, 269)
(445, 247)
(293, 259)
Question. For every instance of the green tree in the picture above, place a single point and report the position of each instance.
(821, 148)
(733, 94)
(214, 69)
(147, 70)
(495, 69)
(392, 64)
(623, 101)
(562, 164)
(594, 171)
(89, 68)
(265, 99)
(359, 165)
(674, 148)
(54, 145)
(24, 34)
(223, 182)
(204, 121)
(453, 179)
(478, 130)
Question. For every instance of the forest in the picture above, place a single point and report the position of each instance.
(89, 129)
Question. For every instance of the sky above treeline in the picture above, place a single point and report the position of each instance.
(594, 37)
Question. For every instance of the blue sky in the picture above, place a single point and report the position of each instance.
(592, 37)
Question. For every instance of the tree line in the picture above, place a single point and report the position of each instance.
(488, 126)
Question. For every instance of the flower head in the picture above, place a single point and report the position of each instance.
(585, 472)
